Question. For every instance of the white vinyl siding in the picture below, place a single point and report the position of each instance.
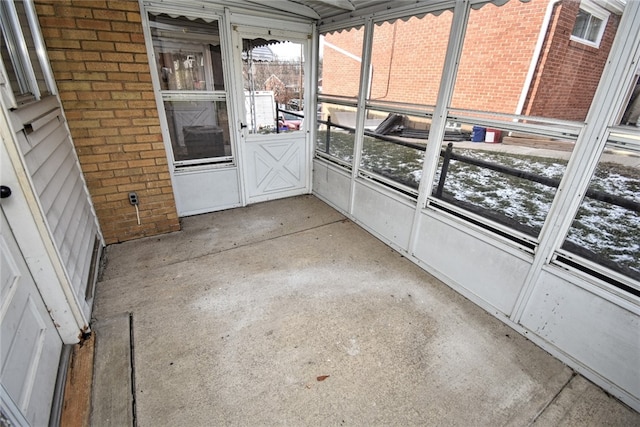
(52, 164)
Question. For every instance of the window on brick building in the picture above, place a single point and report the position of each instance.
(590, 24)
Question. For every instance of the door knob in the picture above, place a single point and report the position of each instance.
(4, 191)
(242, 125)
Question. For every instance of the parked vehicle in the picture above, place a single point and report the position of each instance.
(292, 121)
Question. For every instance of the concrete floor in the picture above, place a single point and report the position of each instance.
(285, 313)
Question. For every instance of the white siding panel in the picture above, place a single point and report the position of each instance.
(45, 173)
(50, 191)
(65, 207)
(485, 269)
(77, 247)
(380, 211)
(602, 334)
(51, 162)
(332, 185)
(43, 143)
(66, 200)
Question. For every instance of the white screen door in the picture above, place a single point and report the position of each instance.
(274, 133)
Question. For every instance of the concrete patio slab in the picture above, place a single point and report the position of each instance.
(314, 324)
(211, 233)
(581, 403)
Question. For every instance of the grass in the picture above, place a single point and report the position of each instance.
(604, 229)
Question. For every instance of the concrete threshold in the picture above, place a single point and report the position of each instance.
(112, 398)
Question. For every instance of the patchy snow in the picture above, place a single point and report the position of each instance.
(608, 230)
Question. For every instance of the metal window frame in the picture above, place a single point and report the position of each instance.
(19, 52)
(148, 8)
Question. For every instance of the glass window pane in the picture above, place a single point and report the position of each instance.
(495, 65)
(631, 114)
(273, 78)
(198, 129)
(594, 29)
(606, 229)
(340, 60)
(394, 146)
(187, 53)
(507, 177)
(408, 57)
(335, 136)
(33, 57)
(15, 61)
(10, 69)
(582, 22)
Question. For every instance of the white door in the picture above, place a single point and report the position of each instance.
(29, 342)
(274, 134)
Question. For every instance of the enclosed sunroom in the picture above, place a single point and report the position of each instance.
(494, 144)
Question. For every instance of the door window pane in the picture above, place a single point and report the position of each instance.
(189, 66)
(19, 54)
(31, 48)
(273, 78)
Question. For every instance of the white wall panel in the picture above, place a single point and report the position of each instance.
(331, 185)
(601, 334)
(383, 214)
(486, 269)
(206, 190)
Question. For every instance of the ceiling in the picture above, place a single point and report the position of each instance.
(330, 12)
(323, 10)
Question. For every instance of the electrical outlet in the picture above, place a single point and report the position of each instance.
(133, 198)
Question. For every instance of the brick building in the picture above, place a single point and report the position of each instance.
(100, 64)
(520, 58)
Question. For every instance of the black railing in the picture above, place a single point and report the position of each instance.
(440, 193)
(447, 154)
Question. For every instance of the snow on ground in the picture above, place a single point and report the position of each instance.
(608, 230)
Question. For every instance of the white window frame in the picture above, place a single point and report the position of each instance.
(596, 11)
(21, 56)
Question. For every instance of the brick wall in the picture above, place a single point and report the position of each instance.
(408, 57)
(98, 55)
(568, 74)
(496, 56)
